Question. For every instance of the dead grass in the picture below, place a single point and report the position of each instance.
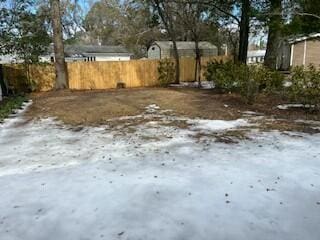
(99, 107)
(229, 137)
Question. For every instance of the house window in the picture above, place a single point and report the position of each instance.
(52, 59)
(153, 48)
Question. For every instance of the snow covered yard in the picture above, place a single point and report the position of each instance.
(157, 176)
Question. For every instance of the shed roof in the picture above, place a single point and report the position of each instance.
(184, 45)
(303, 37)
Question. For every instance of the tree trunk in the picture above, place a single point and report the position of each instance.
(60, 65)
(244, 31)
(274, 35)
(198, 63)
(177, 61)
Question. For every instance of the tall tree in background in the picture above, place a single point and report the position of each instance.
(60, 65)
(244, 29)
(165, 11)
(121, 22)
(240, 13)
(275, 25)
(305, 17)
(191, 15)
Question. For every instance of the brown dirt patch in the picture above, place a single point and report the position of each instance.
(98, 107)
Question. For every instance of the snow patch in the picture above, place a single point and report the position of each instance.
(204, 85)
(251, 113)
(152, 108)
(217, 125)
(156, 183)
(294, 105)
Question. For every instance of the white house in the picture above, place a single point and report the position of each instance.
(256, 56)
(90, 53)
(9, 58)
(164, 49)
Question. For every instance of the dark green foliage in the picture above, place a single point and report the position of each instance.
(249, 81)
(222, 74)
(305, 22)
(9, 105)
(166, 72)
(22, 33)
(305, 88)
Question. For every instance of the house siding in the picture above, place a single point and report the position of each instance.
(192, 53)
(165, 53)
(298, 53)
(313, 52)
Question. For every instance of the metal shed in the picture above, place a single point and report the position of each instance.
(164, 49)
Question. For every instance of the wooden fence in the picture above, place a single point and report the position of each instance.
(98, 75)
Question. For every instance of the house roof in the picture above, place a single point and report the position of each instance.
(302, 38)
(184, 45)
(90, 50)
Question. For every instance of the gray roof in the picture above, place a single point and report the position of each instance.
(89, 50)
(301, 38)
(184, 45)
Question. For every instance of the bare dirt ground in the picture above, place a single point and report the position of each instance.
(92, 108)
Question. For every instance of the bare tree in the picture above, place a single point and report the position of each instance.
(60, 65)
(224, 8)
(164, 8)
(190, 15)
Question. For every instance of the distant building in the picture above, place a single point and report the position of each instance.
(305, 50)
(164, 49)
(256, 56)
(90, 53)
(9, 58)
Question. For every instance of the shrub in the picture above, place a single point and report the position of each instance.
(248, 86)
(305, 88)
(166, 72)
(9, 105)
(269, 81)
(249, 81)
(222, 74)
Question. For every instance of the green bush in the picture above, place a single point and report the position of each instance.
(9, 105)
(305, 88)
(222, 74)
(249, 81)
(166, 72)
(269, 81)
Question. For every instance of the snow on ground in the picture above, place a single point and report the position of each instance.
(204, 85)
(156, 182)
(295, 105)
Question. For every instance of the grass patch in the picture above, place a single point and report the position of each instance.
(8, 105)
